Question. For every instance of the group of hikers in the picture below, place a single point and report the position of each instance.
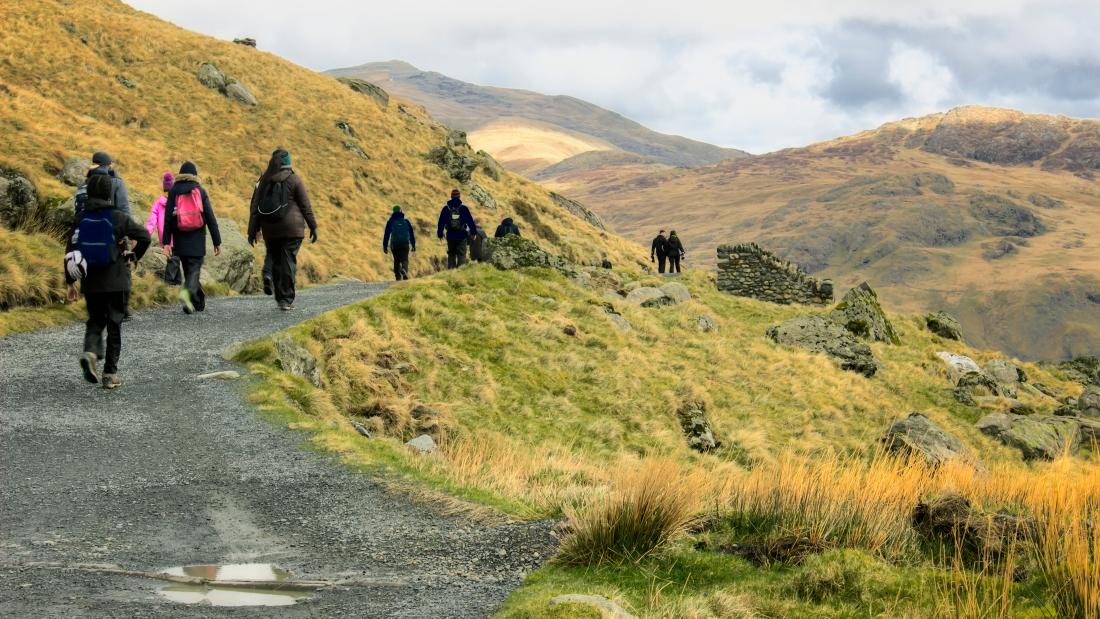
(106, 242)
(667, 249)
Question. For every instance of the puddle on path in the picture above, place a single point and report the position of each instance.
(266, 592)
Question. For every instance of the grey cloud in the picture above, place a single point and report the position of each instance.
(861, 55)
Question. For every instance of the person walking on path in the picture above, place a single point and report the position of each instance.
(659, 248)
(154, 225)
(675, 252)
(506, 227)
(280, 212)
(99, 258)
(455, 219)
(187, 216)
(103, 165)
(398, 239)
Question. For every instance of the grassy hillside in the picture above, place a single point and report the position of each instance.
(542, 407)
(988, 213)
(472, 108)
(81, 76)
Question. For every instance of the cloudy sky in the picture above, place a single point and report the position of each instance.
(755, 75)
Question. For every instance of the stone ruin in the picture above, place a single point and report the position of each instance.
(747, 270)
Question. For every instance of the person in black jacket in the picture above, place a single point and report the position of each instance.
(660, 248)
(105, 288)
(456, 220)
(399, 237)
(190, 246)
(506, 227)
(675, 252)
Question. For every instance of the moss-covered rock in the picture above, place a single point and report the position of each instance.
(861, 313)
(822, 335)
(944, 325)
(919, 436)
(1037, 438)
(514, 252)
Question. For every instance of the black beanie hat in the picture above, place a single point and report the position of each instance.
(102, 158)
(189, 168)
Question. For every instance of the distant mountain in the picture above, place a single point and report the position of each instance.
(992, 214)
(528, 131)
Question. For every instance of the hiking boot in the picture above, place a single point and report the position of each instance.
(269, 287)
(87, 363)
(127, 317)
(111, 381)
(287, 307)
(185, 301)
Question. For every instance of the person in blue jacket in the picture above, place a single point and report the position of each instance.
(455, 219)
(399, 238)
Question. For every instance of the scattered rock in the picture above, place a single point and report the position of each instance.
(860, 312)
(821, 335)
(1088, 404)
(642, 294)
(952, 520)
(241, 94)
(361, 429)
(225, 375)
(212, 77)
(1047, 391)
(917, 435)
(490, 166)
(578, 210)
(246, 41)
(18, 198)
(977, 384)
(74, 171)
(125, 81)
(455, 157)
(606, 607)
(294, 359)
(1007, 374)
(676, 291)
(944, 325)
(622, 324)
(1037, 438)
(482, 196)
(423, 444)
(706, 324)
(380, 96)
(605, 264)
(696, 427)
(1081, 370)
(569, 330)
(958, 365)
(514, 252)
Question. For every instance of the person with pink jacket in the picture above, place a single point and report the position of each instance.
(155, 226)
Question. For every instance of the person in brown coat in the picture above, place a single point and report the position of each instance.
(281, 211)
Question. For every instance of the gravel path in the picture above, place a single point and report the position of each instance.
(170, 470)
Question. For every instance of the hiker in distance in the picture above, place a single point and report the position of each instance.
(675, 252)
(155, 227)
(506, 227)
(280, 212)
(398, 239)
(187, 215)
(455, 219)
(99, 257)
(659, 248)
(104, 165)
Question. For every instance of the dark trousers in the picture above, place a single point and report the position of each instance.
(400, 253)
(284, 267)
(661, 263)
(456, 253)
(192, 270)
(267, 270)
(105, 312)
(673, 264)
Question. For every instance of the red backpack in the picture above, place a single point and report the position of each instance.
(189, 211)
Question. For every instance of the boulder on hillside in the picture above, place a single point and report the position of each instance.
(482, 196)
(241, 94)
(74, 171)
(1037, 437)
(861, 313)
(1007, 374)
(672, 293)
(1088, 405)
(515, 252)
(363, 87)
(958, 366)
(951, 519)
(944, 325)
(454, 161)
(696, 427)
(1082, 370)
(246, 41)
(212, 77)
(917, 435)
(973, 386)
(705, 323)
(294, 359)
(18, 198)
(640, 295)
(578, 210)
(821, 335)
(676, 291)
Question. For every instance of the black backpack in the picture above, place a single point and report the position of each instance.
(455, 223)
(400, 233)
(275, 201)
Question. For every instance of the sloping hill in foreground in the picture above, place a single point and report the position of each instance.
(991, 214)
(81, 76)
(549, 398)
(502, 121)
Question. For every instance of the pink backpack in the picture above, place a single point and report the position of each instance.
(189, 211)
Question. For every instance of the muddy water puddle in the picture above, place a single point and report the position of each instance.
(252, 584)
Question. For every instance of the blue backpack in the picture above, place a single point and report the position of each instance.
(96, 237)
(399, 234)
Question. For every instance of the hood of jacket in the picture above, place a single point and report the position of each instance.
(97, 204)
(397, 215)
(455, 202)
(188, 178)
(507, 221)
(102, 170)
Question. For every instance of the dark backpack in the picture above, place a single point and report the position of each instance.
(275, 201)
(81, 198)
(455, 223)
(400, 234)
(95, 238)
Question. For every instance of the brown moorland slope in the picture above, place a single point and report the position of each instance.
(991, 214)
(78, 76)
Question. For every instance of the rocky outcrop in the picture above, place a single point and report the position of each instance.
(210, 76)
(951, 519)
(1082, 370)
(705, 323)
(363, 87)
(958, 366)
(18, 198)
(246, 41)
(749, 271)
(944, 325)
(578, 210)
(1037, 438)
(672, 293)
(860, 312)
(294, 359)
(820, 335)
(1007, 374)
(919, 436)
(696, 427)
(996, 136)
(514, 252)
(482, 196)
(74, 171)
(455, 157)
(973, 385)
(1088, 405)
(423, 445)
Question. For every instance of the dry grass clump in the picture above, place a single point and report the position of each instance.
(647, 508)
(30, 270)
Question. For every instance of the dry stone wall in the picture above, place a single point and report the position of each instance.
(747, 270)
